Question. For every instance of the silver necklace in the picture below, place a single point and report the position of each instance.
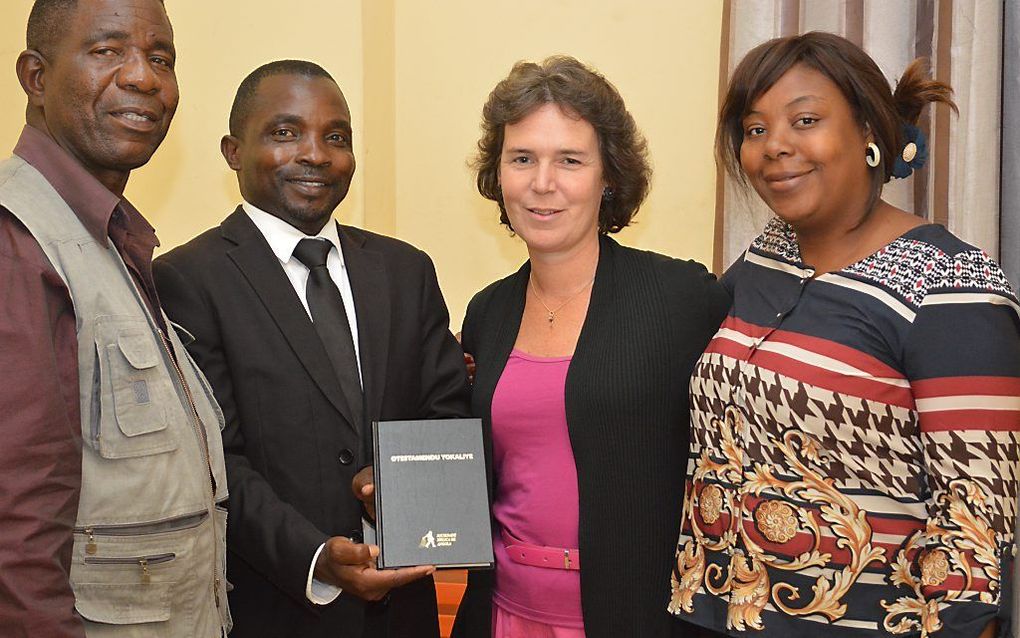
(551, 312)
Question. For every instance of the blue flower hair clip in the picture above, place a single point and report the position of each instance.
(915, 152)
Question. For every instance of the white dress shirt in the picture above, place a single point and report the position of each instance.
(283, 239)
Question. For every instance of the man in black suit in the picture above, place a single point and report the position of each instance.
(308, 331)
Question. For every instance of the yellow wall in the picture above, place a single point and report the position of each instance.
(187, 187)
(416, 74)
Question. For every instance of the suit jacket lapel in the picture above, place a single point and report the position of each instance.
(370, 286)
(261, 268)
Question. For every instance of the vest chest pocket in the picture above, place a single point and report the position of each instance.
(138, 404)
(142, 596)
(124, 604)
(139, 574)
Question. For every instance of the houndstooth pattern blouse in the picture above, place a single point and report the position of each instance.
(854, 445)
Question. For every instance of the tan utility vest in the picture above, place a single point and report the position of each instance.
(149, 542)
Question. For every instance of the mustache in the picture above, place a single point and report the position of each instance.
(311, 176)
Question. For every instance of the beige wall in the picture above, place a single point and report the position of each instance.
(187, 187)
(416, 74)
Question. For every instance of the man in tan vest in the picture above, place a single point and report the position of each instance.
(111, 465)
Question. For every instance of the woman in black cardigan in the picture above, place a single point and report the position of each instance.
(562, 157)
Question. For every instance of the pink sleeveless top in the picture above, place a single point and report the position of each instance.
(536, 494)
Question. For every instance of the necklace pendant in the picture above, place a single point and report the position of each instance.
(551, 318)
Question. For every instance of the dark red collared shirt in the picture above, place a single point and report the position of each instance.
(40, 426)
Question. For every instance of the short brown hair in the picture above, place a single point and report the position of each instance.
(862, 83)
(564, 81)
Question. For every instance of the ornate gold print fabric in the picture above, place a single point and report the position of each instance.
(746, 580)
(776, 521)
(910, 613)
(749, 594)
(691, 564)
(711, 502)
(962, 548)
(934, 568)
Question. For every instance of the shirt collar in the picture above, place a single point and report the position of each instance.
(283, 238)
(92, 202)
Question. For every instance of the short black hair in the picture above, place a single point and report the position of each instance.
(46, 21)
(246, 92)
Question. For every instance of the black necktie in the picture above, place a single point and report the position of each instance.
(330, 321)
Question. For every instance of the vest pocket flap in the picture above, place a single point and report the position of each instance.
(123, 604)
(139, 350)
(137, 400)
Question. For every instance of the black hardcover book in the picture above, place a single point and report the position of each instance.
(431, 498)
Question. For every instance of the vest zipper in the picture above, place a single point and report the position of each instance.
(95, 412)
(141, 561)
(176, 524)
(197, 420)
(200, 431)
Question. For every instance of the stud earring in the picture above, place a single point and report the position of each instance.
(607, 193)
(872, 156)
(909, 152)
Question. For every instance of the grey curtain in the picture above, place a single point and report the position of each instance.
(963, 39)
(1009, 198)
(1009, 220)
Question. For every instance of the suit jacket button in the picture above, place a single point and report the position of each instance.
(346, 457)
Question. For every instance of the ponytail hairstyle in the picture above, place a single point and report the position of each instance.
(887, 115)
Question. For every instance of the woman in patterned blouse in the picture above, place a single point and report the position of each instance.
(854, 446)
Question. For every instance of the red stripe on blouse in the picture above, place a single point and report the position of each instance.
(863, 387)
(955, 386)
(845, 354)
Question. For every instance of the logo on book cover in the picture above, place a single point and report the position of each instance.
(442, 539)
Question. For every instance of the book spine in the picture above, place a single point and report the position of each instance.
(377, 477)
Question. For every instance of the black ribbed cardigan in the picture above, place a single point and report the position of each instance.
(649, 318)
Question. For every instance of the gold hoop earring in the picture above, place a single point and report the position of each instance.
(872, 156)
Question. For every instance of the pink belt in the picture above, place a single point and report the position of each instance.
(539, 555)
